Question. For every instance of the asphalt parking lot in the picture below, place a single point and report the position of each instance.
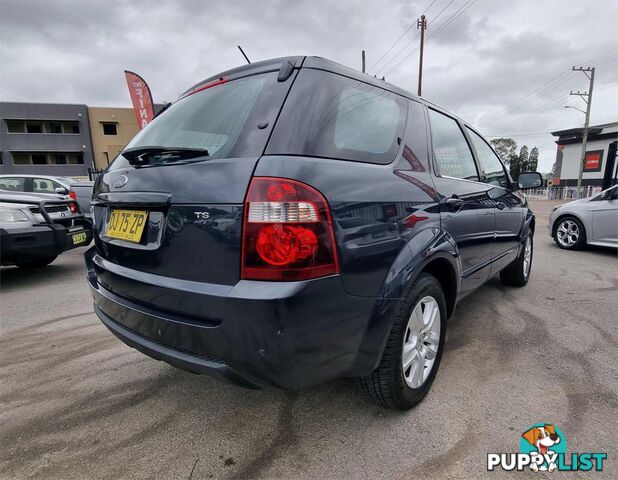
(77, 403)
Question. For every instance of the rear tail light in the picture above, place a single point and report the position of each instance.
(72, 205)
(287, 232)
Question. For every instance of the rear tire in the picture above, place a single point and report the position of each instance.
(38, 263)
(518, 273)
(569, 233)
(412, 355)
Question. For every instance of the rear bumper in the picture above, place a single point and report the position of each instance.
(36, 242)
(289, 335)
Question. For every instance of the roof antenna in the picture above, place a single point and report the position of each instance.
(243, 54)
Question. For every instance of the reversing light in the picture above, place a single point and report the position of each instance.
(287, 232)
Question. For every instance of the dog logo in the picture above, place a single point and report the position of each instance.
(543, 448)
(543, 438)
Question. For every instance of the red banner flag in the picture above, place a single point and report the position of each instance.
(141, 98)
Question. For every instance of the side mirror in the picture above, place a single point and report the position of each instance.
(530, 180)
(61, 191)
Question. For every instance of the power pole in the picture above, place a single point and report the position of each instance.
(587, 98)
(422, 24)
(363, 60)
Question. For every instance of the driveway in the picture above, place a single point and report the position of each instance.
(77, 403)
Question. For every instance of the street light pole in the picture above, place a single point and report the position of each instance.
(587, 98)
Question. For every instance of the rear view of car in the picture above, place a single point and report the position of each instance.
(187, 237)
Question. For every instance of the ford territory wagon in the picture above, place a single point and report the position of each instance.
(294, 221)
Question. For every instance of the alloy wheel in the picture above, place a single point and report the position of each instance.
(567, 233)
(420, 342)
(527, 256)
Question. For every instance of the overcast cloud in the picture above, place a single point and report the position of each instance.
(492, 55)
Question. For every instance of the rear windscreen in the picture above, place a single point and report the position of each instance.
(328, 115)
(216, 119)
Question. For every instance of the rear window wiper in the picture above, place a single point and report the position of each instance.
(154, 155)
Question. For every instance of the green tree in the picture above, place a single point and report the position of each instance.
(533, 161)
(506, 148)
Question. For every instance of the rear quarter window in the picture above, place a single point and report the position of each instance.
(328, 115)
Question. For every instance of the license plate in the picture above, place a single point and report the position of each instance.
(79, 238)
(126, 224)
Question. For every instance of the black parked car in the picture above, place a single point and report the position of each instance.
(307, 287)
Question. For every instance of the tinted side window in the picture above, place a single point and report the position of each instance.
(494, 171)
(451, 151)
(327, 115)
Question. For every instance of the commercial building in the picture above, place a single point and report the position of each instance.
(45, 138)
(111, 129)
(600, 166)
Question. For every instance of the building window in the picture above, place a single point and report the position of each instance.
(42, 126)
(48, 158)
(70, 127)
(34, 127)
(16, 126)
(39, 158)
(109, 129)
(76, 158)
(20, 158)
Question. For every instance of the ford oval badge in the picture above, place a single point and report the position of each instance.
(120, 181)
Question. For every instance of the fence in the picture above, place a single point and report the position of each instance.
(562, 193)
(93, 173)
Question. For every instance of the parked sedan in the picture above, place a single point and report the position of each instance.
(592, 221)
(35, 230)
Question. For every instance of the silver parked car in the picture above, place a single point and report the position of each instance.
(592, 221)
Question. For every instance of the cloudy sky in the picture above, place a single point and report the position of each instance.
(502, 65)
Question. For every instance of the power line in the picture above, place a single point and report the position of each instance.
(554, 82)
(545, 108)
(450, 20)
(397, 41)
(416, 49)
(414, 39)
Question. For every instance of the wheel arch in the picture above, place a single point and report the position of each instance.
(564, 215)
(446, 274)
(431, 251)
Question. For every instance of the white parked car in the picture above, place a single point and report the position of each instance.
(592, 221)
(23, 183)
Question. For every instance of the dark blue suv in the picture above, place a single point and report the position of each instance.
(294, 221)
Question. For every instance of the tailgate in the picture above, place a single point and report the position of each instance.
(192, 222)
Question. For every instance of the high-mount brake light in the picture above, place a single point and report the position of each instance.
(287, 233)
(214, 83)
